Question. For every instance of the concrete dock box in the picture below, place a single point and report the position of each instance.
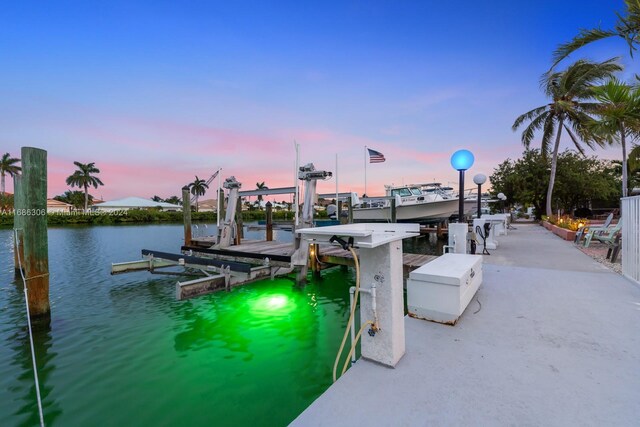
(441, 290)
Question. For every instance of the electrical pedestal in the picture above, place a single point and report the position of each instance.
(380, 254)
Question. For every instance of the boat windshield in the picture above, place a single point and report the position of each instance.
(402, 192)
(416, 191)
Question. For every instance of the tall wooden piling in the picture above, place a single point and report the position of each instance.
(221, 204)
(18, 225)
(239, 221)
(269, 207)
(186, 215)
(393, 210)
(33, 210)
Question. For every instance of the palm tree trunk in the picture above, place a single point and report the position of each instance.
(2, 183)
(625, 178)
(197, 207)
(554, 164)
(86, 198)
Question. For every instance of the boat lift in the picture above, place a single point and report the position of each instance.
(221, 268)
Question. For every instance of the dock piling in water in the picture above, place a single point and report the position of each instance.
(18, 236)
(32, 209)
(186, 215)
(269, 222)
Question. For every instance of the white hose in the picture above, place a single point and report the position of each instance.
(33, 352)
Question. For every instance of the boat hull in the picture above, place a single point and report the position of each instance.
(427, 212)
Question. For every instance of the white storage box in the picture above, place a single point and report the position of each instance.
(441, 290)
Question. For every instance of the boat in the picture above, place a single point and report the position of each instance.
(412, 205)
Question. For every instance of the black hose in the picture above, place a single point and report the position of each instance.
(484, 235)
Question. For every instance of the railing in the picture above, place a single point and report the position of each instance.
(631, 238)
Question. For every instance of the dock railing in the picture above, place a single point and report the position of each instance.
(631, 238)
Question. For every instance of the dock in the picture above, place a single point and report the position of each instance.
(278, 253)
(549, 339)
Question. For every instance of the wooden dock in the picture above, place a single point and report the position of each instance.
(279, 254)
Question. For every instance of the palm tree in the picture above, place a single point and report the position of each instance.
(157, 199)
(83, 178)
(627, 27)
(261, 186)
(569, 91)
(7, 167)
(619, 114)
(174, 200)
(198, 188)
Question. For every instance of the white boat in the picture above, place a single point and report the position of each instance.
(412, 205)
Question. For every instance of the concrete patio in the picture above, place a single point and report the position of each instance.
(551, 339)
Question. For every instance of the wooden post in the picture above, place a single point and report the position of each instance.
(239, 222)
(313, 260)
(221, 213)
(269, 221)
(18, 224)
(186, 215)
(33, 191)
(393, 210)
(350, 209)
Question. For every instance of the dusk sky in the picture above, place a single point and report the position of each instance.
(157, 92)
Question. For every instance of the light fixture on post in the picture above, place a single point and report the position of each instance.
(461, 160)
(479, 179)
(502, 198)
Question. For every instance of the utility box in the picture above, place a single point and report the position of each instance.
(441, 290)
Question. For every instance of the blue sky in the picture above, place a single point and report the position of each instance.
(157, 92)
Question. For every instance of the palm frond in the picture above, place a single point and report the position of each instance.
(528, 116)
(584, 37)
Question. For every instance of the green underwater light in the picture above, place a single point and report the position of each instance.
(272, 305)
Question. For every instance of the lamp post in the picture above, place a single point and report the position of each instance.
(461, 160)
(479, 179)
(502, 198)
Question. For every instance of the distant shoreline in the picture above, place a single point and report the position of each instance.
(138, 216)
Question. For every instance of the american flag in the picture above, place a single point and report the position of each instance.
(375, 156)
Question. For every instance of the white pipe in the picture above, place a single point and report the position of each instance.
(374, 306)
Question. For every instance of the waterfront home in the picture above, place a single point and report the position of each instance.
(134, 203)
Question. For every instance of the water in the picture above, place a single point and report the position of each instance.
(122, 351)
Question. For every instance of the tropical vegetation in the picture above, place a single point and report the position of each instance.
(75, 198)
(583, 182)
(570, 93)
(626, 27)
(84, 177)
(9, 167)
(198, 188)
(618, 111)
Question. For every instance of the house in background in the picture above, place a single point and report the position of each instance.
(208, 205)
(134, 203)
(56, 206)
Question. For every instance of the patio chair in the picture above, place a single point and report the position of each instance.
(585, 229)
(604, 235)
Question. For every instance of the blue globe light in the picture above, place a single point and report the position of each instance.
(462, 160)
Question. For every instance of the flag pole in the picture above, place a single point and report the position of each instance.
(365, 170)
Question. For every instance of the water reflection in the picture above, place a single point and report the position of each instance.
(25, 401)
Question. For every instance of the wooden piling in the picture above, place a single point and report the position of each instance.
(221, 204)
(239, 222)
(18, 224)
(186, 215)
(393, 210)
(269, 207)
(33, 189)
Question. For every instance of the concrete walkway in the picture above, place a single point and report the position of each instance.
(551, 339)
